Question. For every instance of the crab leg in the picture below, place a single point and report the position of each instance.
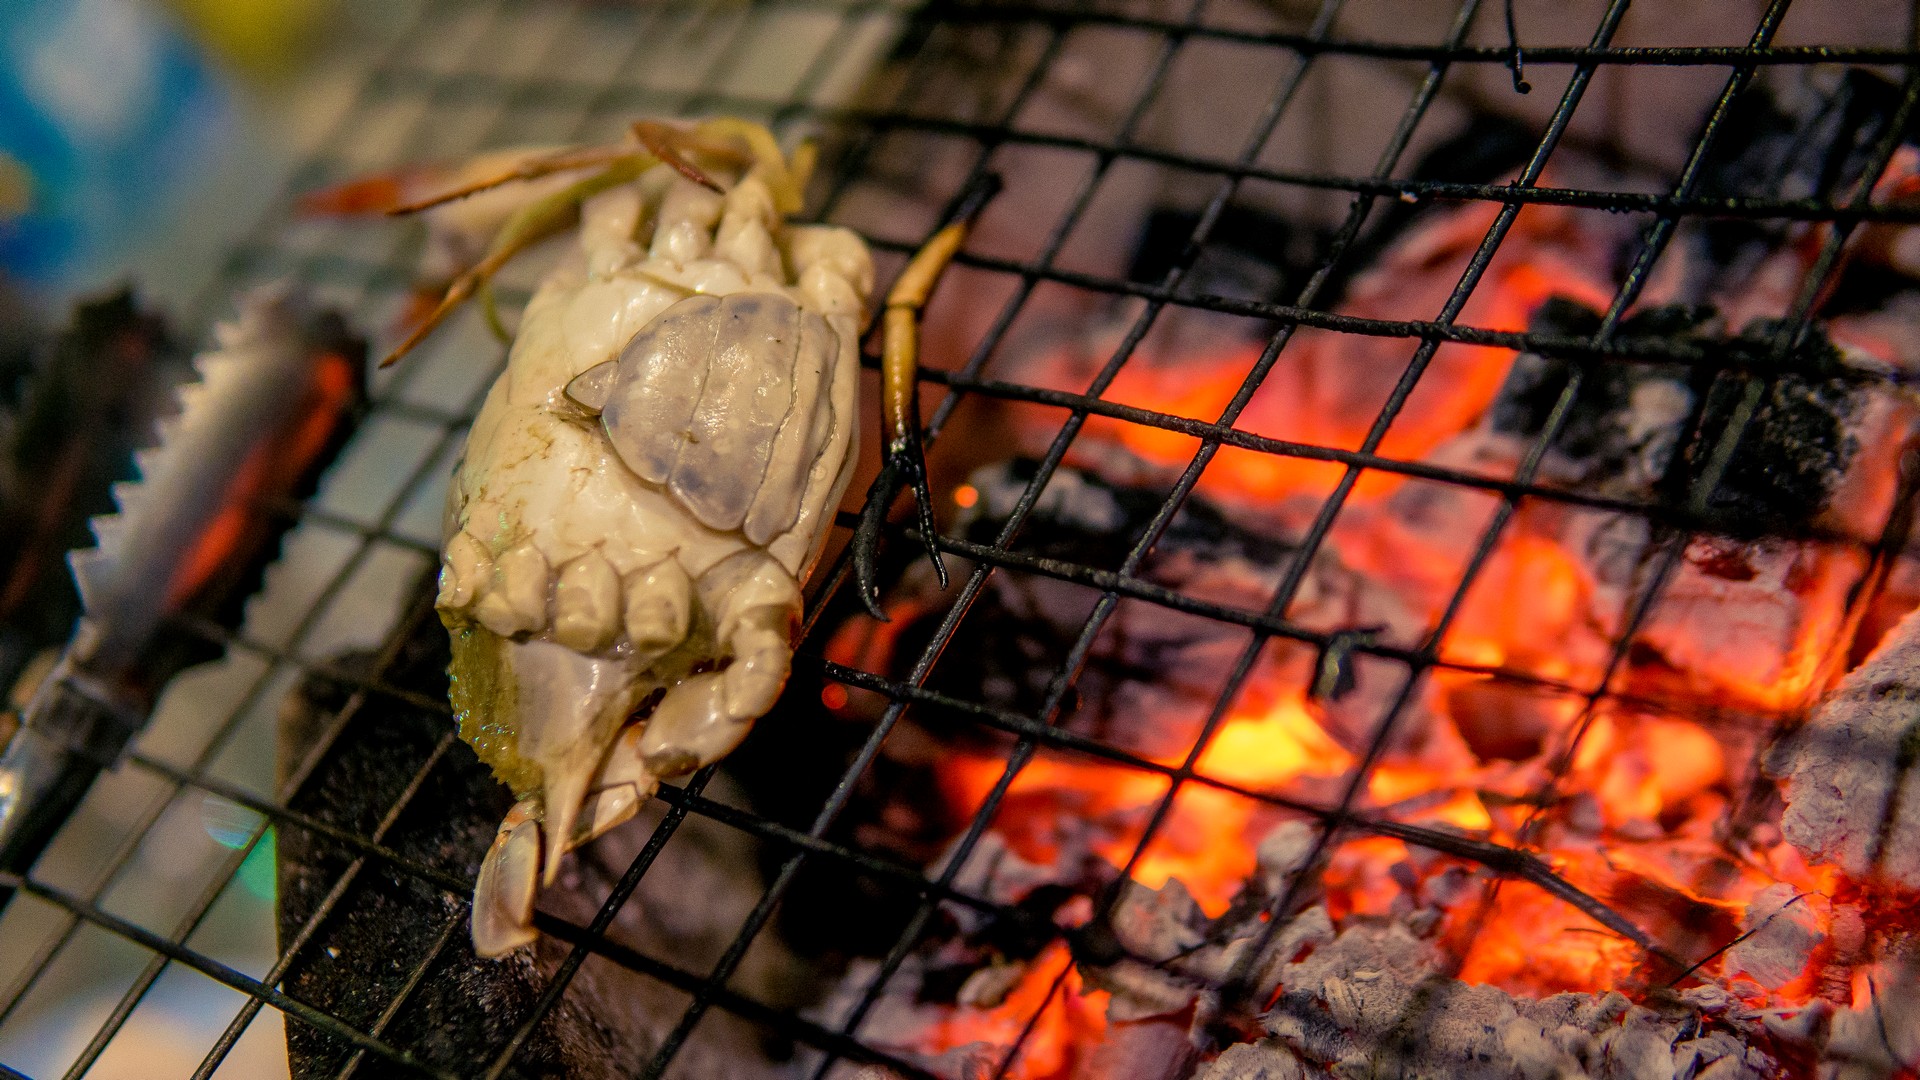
(529, 225)
(663, 142)
(904, 462)
(666, 143)
(528, 169)
(544, 217)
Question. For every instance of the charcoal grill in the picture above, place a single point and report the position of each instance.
(956, 80)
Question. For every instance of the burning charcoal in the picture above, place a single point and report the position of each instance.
(1751, 618)
(1328, 387)
(1853, 794)
(1153, 676)
(1372, 1002)
(1626, 419)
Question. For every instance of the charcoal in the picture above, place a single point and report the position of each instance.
(1372, 1002)
(1154, 673)
(1374, 998)
(1649, 430)
(1487, 149)
(1625, 421)
(1795, 448)
(1083, 518)
(1238, 259)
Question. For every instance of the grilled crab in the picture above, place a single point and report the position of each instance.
(652, 477)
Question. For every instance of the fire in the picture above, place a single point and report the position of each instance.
(1055, 801)
(1328, 387)
(1063, 1023)
(1630, 804)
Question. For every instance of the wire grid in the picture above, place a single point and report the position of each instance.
(420, 77)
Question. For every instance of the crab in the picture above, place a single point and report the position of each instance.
(652, 477)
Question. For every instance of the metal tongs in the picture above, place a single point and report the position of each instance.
(274, 401)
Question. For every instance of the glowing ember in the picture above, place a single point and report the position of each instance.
(1646, 802)
(1064, 1024)
(1327, 387)
(1203, 843)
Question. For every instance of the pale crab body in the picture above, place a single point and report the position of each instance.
(642, 493)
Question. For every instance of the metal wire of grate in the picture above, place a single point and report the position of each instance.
(458, 77)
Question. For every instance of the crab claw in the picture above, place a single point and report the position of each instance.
(509, 875)
(503, 893)
(621, 786)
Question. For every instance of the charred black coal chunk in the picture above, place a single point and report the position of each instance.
(1625, 419)
(1650, 430)
(1487, 149)
(1793, 135)
(1795, 448)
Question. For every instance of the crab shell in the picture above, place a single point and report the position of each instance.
(642, 492)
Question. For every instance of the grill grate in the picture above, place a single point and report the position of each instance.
(456, 77)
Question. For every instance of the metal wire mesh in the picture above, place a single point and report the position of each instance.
(457, 77)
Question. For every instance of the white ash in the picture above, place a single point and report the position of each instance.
(1851, 790)
(1370, 1004)
(1782, 928)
